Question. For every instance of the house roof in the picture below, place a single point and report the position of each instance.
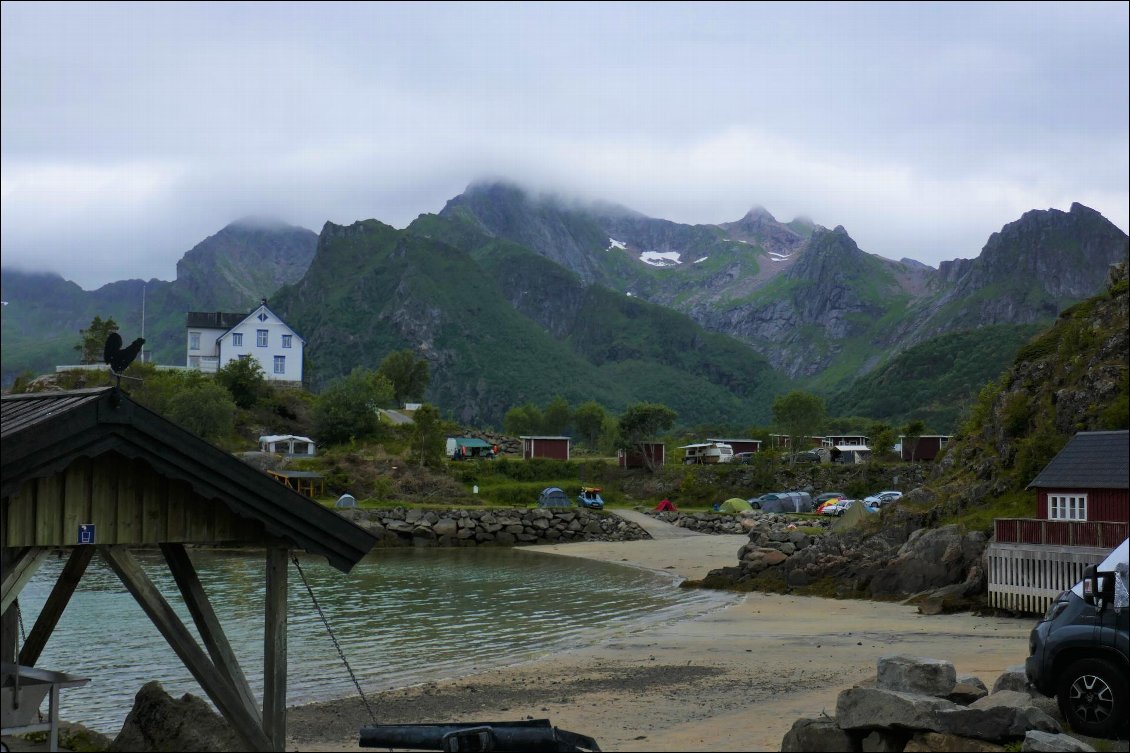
(213, 319)
(43, 433)
(471, 442)
(284, 438)
(1091, 460)
(228, 321)
(711, 439)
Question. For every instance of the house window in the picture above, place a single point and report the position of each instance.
(194, 341)
(280, 364)
(1067, 506)
(286, 340)
(261, 338)
(194, 362)
(244, 357)
(237, 339)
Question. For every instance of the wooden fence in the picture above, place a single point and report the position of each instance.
(1027, 578)
(1072, 533)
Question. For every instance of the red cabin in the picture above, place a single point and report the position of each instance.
(1082, 511)
(555, 448)
(653, 453)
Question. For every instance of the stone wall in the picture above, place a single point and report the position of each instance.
(721, 523)
(506, 527)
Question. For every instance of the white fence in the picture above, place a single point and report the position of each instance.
(1027, 577)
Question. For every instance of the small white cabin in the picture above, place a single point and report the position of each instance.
(287, 444)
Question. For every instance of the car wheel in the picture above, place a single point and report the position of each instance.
(1092, 697)
(755, 505)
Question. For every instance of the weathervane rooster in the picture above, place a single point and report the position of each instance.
(120, 358)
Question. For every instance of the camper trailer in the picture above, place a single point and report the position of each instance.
(707, 452)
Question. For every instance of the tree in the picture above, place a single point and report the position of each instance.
(912, 432)
(205, 409)
(522, 420)
(556, 417)
(882, 437)
(244, 379)
(407, 373)
(347, 409)
(641, 423)
(588, 420)
(427, 437)
(94, 339)
(798, 414)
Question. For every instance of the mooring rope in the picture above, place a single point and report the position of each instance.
(322, 615)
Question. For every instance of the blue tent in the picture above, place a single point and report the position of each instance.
(553, 497)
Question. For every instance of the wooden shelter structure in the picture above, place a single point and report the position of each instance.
(92, 472)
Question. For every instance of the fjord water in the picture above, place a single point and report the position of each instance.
(402, 617)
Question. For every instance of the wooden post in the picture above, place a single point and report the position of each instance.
(274, 647)
(208, 625)
(55, 604)
(215, 684)
(19, 571)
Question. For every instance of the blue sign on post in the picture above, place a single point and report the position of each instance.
(86, 533)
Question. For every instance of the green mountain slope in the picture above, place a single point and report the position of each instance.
(482, 321)
(934, 381)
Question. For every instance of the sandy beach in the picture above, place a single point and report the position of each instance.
(733, 679)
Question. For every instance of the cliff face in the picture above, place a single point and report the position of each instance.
(804, 297)
(1028, 272)
(246, 261)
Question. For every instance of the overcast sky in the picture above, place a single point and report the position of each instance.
(131, 132)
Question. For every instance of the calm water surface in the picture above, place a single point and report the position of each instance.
(403, 616)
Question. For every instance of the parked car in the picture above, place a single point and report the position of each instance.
(743, 457)
(1080, 651)
(809, 456)
(590, 498)
(840, 506)
(882, 498)
(835, 507)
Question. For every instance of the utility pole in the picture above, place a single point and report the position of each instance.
(143, 287)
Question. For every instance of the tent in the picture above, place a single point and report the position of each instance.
(783, 502)
(852, 516)
(735, 505)
(551, 496)
(666, 506)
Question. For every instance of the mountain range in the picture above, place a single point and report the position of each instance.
(515, 297)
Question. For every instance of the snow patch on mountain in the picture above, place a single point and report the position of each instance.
(661, 258)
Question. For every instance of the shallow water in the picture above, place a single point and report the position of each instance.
(402, 617)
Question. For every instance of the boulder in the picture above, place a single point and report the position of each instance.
(816, 735)
(965, 693)
(884, 741)
(1013, 678)
(930, 559)
(1046, 742)
(157, 722)
(912, 674)
(997, 723)
(872, 708)
(937, 742)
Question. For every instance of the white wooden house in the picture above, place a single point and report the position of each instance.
(215, 338)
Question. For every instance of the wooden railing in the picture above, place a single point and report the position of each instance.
(1083, 533)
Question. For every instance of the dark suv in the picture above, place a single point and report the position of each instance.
(1080, 651)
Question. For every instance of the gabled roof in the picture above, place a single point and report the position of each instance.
(1091, 460)
(228, 321)
(213, 319)
(45, 432)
